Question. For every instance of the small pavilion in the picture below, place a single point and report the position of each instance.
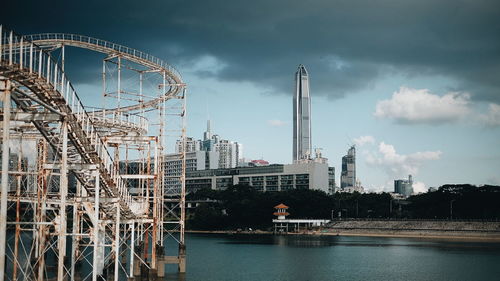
(283, 225)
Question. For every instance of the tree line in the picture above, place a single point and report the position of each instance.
(241, 206)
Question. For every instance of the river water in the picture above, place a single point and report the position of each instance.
(267, 257)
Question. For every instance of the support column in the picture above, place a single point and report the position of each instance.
(119, 91)
(132, 249)
(182, 245)
(41, 209)
(75, 239)
(63, 190)
(96, 228)
(18, 208)
(117, 240)
(5, 88)
(154, 231)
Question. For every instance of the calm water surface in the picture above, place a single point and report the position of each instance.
(266, 257)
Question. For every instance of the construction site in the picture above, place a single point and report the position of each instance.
(83, 191)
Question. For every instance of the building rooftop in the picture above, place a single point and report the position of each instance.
(281, 206)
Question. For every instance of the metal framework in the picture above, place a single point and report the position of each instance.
(83, 192)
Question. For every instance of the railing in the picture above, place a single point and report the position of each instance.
(17, 52)
(120, 119)
(109, 45)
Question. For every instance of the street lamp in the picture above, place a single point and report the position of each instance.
(345, 212)
(451, 208)
(357, 209)
(369, 213)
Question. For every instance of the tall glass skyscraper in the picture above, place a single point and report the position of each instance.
(302, 148)
(348, 175)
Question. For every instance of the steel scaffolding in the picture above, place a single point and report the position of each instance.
(83, 190)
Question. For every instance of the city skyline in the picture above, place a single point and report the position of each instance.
(413, 85)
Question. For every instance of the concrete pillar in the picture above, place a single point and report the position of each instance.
(182, 258)
(137, 262)
(137, 267)
(160, 268)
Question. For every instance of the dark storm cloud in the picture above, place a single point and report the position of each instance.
(346, 45)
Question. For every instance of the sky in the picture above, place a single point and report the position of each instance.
(415, 85)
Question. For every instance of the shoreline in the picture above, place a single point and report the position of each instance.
(389, 234)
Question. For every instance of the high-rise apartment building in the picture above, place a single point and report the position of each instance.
(348, 174)
(302, 146)
(228, 153)
(191, 145)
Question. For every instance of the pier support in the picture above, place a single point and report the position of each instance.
(182, 258)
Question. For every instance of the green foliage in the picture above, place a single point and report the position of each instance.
(243, 207)
(464, 201)
(208, 217)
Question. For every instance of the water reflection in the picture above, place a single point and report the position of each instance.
(307, 241)
(300, 257)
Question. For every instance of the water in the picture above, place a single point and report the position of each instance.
(267, 257)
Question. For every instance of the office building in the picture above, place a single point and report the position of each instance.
(195, 161)
(275, 177)
(302, 142)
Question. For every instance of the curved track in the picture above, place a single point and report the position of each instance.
(172, 76)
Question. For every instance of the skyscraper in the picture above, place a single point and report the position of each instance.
(302, 147)
(348, 175)
(404, 187)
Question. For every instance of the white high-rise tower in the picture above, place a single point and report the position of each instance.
(302, 147)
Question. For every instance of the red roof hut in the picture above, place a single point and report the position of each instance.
(281, 211)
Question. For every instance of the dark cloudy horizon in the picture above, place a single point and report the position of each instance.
(415, 84)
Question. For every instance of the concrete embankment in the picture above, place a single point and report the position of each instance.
(415, 228)
(464, 230)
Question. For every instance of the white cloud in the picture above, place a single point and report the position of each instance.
(205, 64)
(419, 187)
(492, 118)
(276, 123)
(362, 140)
(397, 165)
(419, 106)
(28, 147)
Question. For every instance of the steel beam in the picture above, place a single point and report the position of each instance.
(117, 241)
(30, 117)
(96, 228)
(5, 88)
(63, 189)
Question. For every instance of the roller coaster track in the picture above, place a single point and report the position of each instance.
(172, 76)
(49, 90)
